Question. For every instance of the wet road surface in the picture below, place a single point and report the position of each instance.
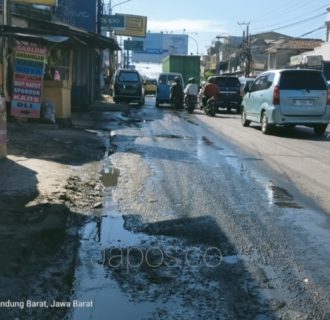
(194, 227)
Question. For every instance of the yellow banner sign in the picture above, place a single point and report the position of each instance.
(135, 26)
(43, 2)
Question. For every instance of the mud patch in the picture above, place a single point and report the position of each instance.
(281, 197)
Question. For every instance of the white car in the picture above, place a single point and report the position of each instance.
(288, 97)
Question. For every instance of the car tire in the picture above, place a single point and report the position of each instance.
(265, 126)
(245, 123)
(228, 109)
(142, 101)
(320, 129)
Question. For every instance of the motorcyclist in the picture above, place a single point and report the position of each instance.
(191, 88)
(191, 95)
(211, 90)
(176, 96)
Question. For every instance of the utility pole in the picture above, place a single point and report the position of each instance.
(246, 54)
(4, 95)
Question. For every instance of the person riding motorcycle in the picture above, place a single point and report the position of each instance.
(210, 90)
(191, 88)
(191, 94)
(176, 95)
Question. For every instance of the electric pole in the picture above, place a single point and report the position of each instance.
(246, 54)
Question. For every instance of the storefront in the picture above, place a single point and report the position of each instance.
(44, 67)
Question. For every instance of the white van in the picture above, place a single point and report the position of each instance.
(288, 97)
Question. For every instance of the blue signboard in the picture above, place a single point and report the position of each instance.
(113, 22)
(81, 14)
(133, 45)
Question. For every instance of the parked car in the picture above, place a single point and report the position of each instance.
(150, 86)
(245, 84)
(128, 86)
(288, 97)
(165, 81)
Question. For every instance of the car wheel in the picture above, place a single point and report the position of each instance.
(228, 109)
(142, 102)
(319, 129)
(245, 123)
(265, 126)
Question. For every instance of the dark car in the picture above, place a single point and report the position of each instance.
(230, 93)
(128, 86)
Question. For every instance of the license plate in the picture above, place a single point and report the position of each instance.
(303, 102)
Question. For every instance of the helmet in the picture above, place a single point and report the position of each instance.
(211, 79)
(177, 79)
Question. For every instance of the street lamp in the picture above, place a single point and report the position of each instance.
(113, 63)
(195, 43)
(110, 7)
(192, 38)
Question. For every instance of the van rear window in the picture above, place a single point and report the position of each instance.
(128, 76)
(302, 80)
(228, 82)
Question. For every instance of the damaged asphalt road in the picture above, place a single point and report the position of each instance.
(174, 232)
(182, 235)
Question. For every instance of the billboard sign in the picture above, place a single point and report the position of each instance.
(112, 22)
(156, 46)
(81, 14)
(27, 82)
(135, 26)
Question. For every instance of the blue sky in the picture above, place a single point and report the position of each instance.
(205, 19)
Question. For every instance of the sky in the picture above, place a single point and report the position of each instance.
(204, 20)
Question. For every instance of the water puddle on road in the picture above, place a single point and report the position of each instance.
(94, 282)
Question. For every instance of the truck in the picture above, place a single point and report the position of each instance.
(188, 65)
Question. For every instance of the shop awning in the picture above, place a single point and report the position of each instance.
(59, 33)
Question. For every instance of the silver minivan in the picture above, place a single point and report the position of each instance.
(288, 97)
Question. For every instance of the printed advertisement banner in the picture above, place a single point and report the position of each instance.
(27, 83)
(135, 26)
(156, 46)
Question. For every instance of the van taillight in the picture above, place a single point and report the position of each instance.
(328, 100)
(276, 95)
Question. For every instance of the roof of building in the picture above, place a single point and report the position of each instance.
(296, 44)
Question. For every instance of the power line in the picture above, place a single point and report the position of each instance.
(278, 24)
(279, 11)
(299, 22)
(307, 33)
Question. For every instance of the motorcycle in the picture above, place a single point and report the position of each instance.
(210, 107)
(176, 102)
(190, 102)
